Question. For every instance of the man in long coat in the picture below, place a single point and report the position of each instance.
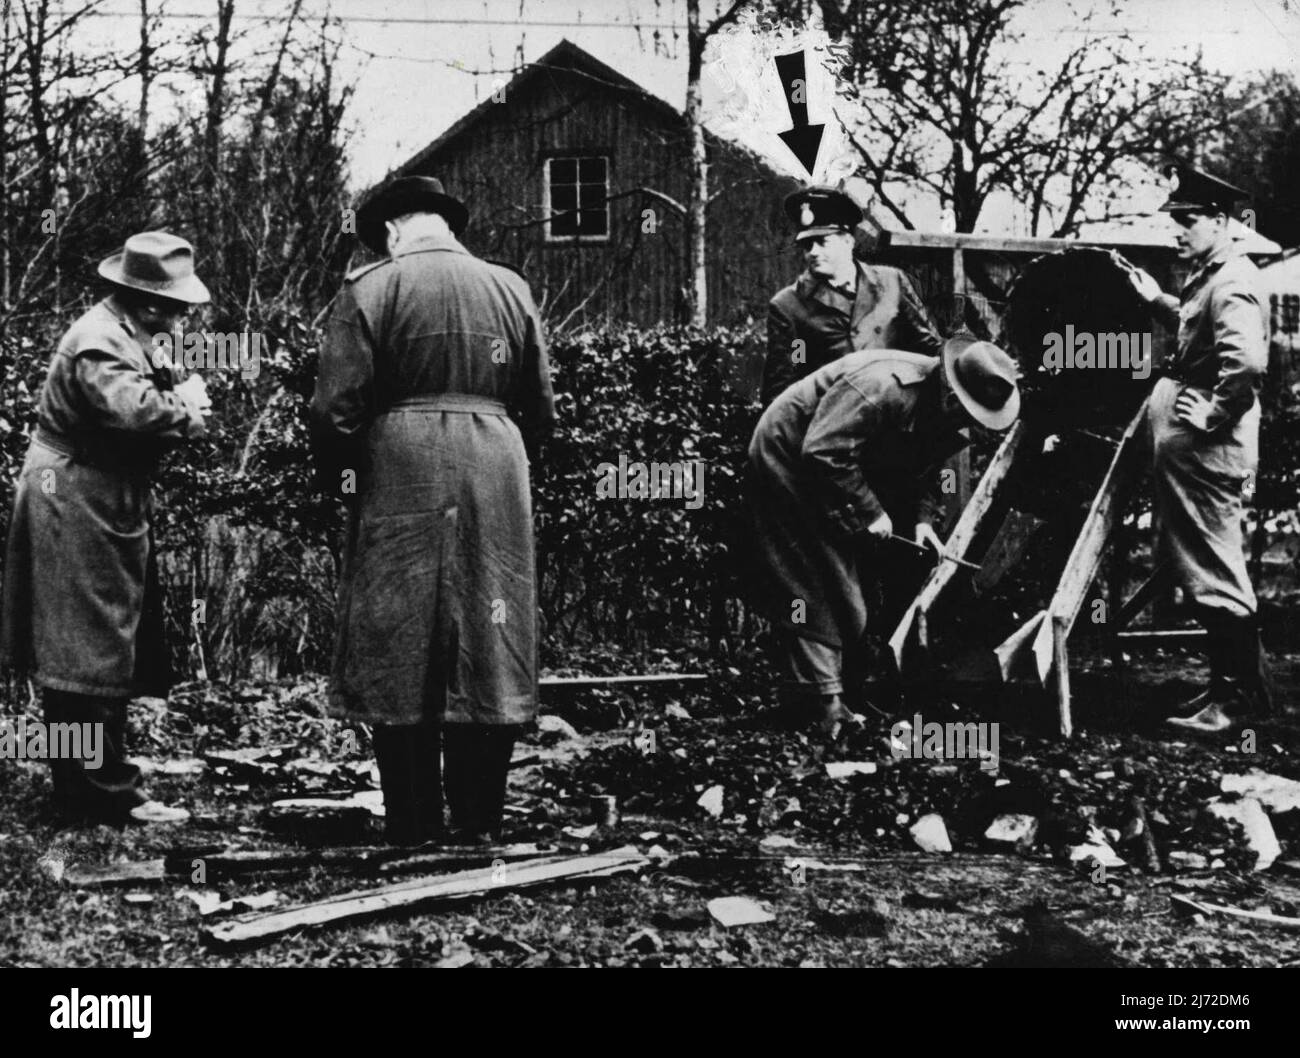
(433, 363)
(839, 460)
(1203, 420)
(82, 604)
(839, 304)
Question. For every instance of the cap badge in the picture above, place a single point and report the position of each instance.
(806, 215)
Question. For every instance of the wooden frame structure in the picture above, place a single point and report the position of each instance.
(1041, 643)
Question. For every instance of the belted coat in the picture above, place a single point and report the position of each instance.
(82, 605)
(433, 363)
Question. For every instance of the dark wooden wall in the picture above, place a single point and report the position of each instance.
(496, 164)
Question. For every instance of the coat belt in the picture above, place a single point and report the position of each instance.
(461, 402)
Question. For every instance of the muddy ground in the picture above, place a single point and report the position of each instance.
(832, 860)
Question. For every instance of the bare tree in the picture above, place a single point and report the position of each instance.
(942, 99)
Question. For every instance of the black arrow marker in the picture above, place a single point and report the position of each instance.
(804, 140)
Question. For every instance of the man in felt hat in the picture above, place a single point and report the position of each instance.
(81, 608)
(433, 375)
(844, 458)
(1204, 429)
(839, 304)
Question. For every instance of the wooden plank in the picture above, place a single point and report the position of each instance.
(423, 892)
(135, 873)
(1140, 599)
(934, 240)
(1016, 645)
(1085, 557)
(963, 534)
(1264, 918)
(1061, 661)
(622, 681)
(1163, 635)
(234, 863)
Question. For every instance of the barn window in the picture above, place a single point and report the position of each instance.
(1286, 313)
(576, 193)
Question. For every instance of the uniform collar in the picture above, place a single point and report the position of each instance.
(818, 289)
(1212, 263)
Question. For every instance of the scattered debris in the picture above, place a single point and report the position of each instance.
(1187, 861)
(730, 911)
(931, 834)
(458, 958)
(711, 801)
(422, 892)
(842, 769)
(778, 841)
(580, 833)
(645, 941)
(673, 711)
(1275, 793)
(1013, 829)
(1096, 851)
(557, 727)
(138, 898)
(1256, 829)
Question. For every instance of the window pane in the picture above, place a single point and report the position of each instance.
(563, 198)
(564, 171)
(592, 170)
(594, 222)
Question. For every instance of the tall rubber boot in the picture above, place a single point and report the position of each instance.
(1217, 648)
(476, 763)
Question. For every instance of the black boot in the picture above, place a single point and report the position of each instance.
(476, 762)
(83, 791)
(1216, 647)
(411, 777)
(1242, 689)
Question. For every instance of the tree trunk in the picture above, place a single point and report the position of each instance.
(697, 275)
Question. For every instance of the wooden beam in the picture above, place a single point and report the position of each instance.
(1264, 918)
(1141, 598)
(137, 872)
(1061, 660)
(1085, 556)
(962, 536)
(235, 863)
(1002, 243)
(423, 892)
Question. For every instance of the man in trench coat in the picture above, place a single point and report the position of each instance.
(840, 460)
(1203, 423)
(432, 376)
(81, 605)
(839, 304)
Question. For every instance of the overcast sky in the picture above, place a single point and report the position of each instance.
(418, 65)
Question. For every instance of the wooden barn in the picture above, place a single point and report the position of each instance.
(577, 176)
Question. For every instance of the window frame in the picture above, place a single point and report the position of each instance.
(577, 157)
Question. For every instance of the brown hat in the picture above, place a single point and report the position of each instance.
(157, 263)
(406, 194)
(984, 379)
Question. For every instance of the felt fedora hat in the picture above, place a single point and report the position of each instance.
(406, 194)
(157, 263)
(984, 379)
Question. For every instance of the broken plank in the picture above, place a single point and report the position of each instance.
(234, 863)
(133, 873)
(423, 892)
(1265, 918)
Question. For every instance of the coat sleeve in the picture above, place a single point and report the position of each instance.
(778, 369)
(122, 397)
(917, 332)
(833, 447)
(343, 403)
(1241, 342)
(535, 405)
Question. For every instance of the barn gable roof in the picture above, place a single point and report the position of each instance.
(567, 56)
